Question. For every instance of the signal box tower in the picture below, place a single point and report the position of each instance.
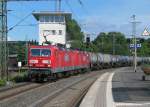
(52, 26)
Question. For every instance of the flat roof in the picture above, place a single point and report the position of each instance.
(41, 13)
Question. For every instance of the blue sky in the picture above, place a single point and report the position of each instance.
(94, 16)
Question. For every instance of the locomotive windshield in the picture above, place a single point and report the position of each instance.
(40, 52)
(45, 52)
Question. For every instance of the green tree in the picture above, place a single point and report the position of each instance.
(74, 33)
(145, 48)
(19, 48)
(106, 42)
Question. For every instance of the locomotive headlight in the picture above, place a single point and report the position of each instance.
(33, 61)
(46, 62)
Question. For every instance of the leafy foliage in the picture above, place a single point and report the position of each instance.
(74, 34)
(20, 78)
(2, 82)
(112, 40)
(18, 48)
(145, 49)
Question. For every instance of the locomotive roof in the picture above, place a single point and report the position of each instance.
(42, 46)
(55, 47)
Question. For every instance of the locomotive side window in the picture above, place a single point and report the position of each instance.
(35, 52)
(40, 52)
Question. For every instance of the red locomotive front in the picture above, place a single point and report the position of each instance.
(39, 61)
(39, 57)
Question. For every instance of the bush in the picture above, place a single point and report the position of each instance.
(20, 78)
(145, 65)
(2, 82)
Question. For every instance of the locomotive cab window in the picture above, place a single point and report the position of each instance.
(35, 52)
(40, 52)
(45, 52)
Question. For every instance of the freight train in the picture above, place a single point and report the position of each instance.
(48, 62)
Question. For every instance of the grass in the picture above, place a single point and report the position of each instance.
(2, 82)
(21, 77)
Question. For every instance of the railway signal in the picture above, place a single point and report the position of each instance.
(88, 40)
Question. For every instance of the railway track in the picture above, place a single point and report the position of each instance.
(3, 89)
(75, 94)
(46, 101)
(10, 92)
(48, 94)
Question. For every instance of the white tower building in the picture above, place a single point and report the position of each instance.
(52, 26)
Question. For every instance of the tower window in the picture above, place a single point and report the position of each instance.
(60, 32)
(42, 19)
(47, 19)
(49, 32)
(51, 18)
(53, 32)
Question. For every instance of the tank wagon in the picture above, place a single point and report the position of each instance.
(47, 62)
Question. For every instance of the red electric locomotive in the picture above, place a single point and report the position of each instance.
(48, 61)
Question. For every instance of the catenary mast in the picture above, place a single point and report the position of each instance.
(134, 24)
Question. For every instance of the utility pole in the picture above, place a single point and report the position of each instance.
(3, 39)
(102, 43)
(134, 24)
(26, 50)
(114, 44)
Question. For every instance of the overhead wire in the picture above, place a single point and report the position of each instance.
(32, 25)
(70, 7)
(17, 17)
(22, 22)
(83, 6)
(67, 2)
(17, 24)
